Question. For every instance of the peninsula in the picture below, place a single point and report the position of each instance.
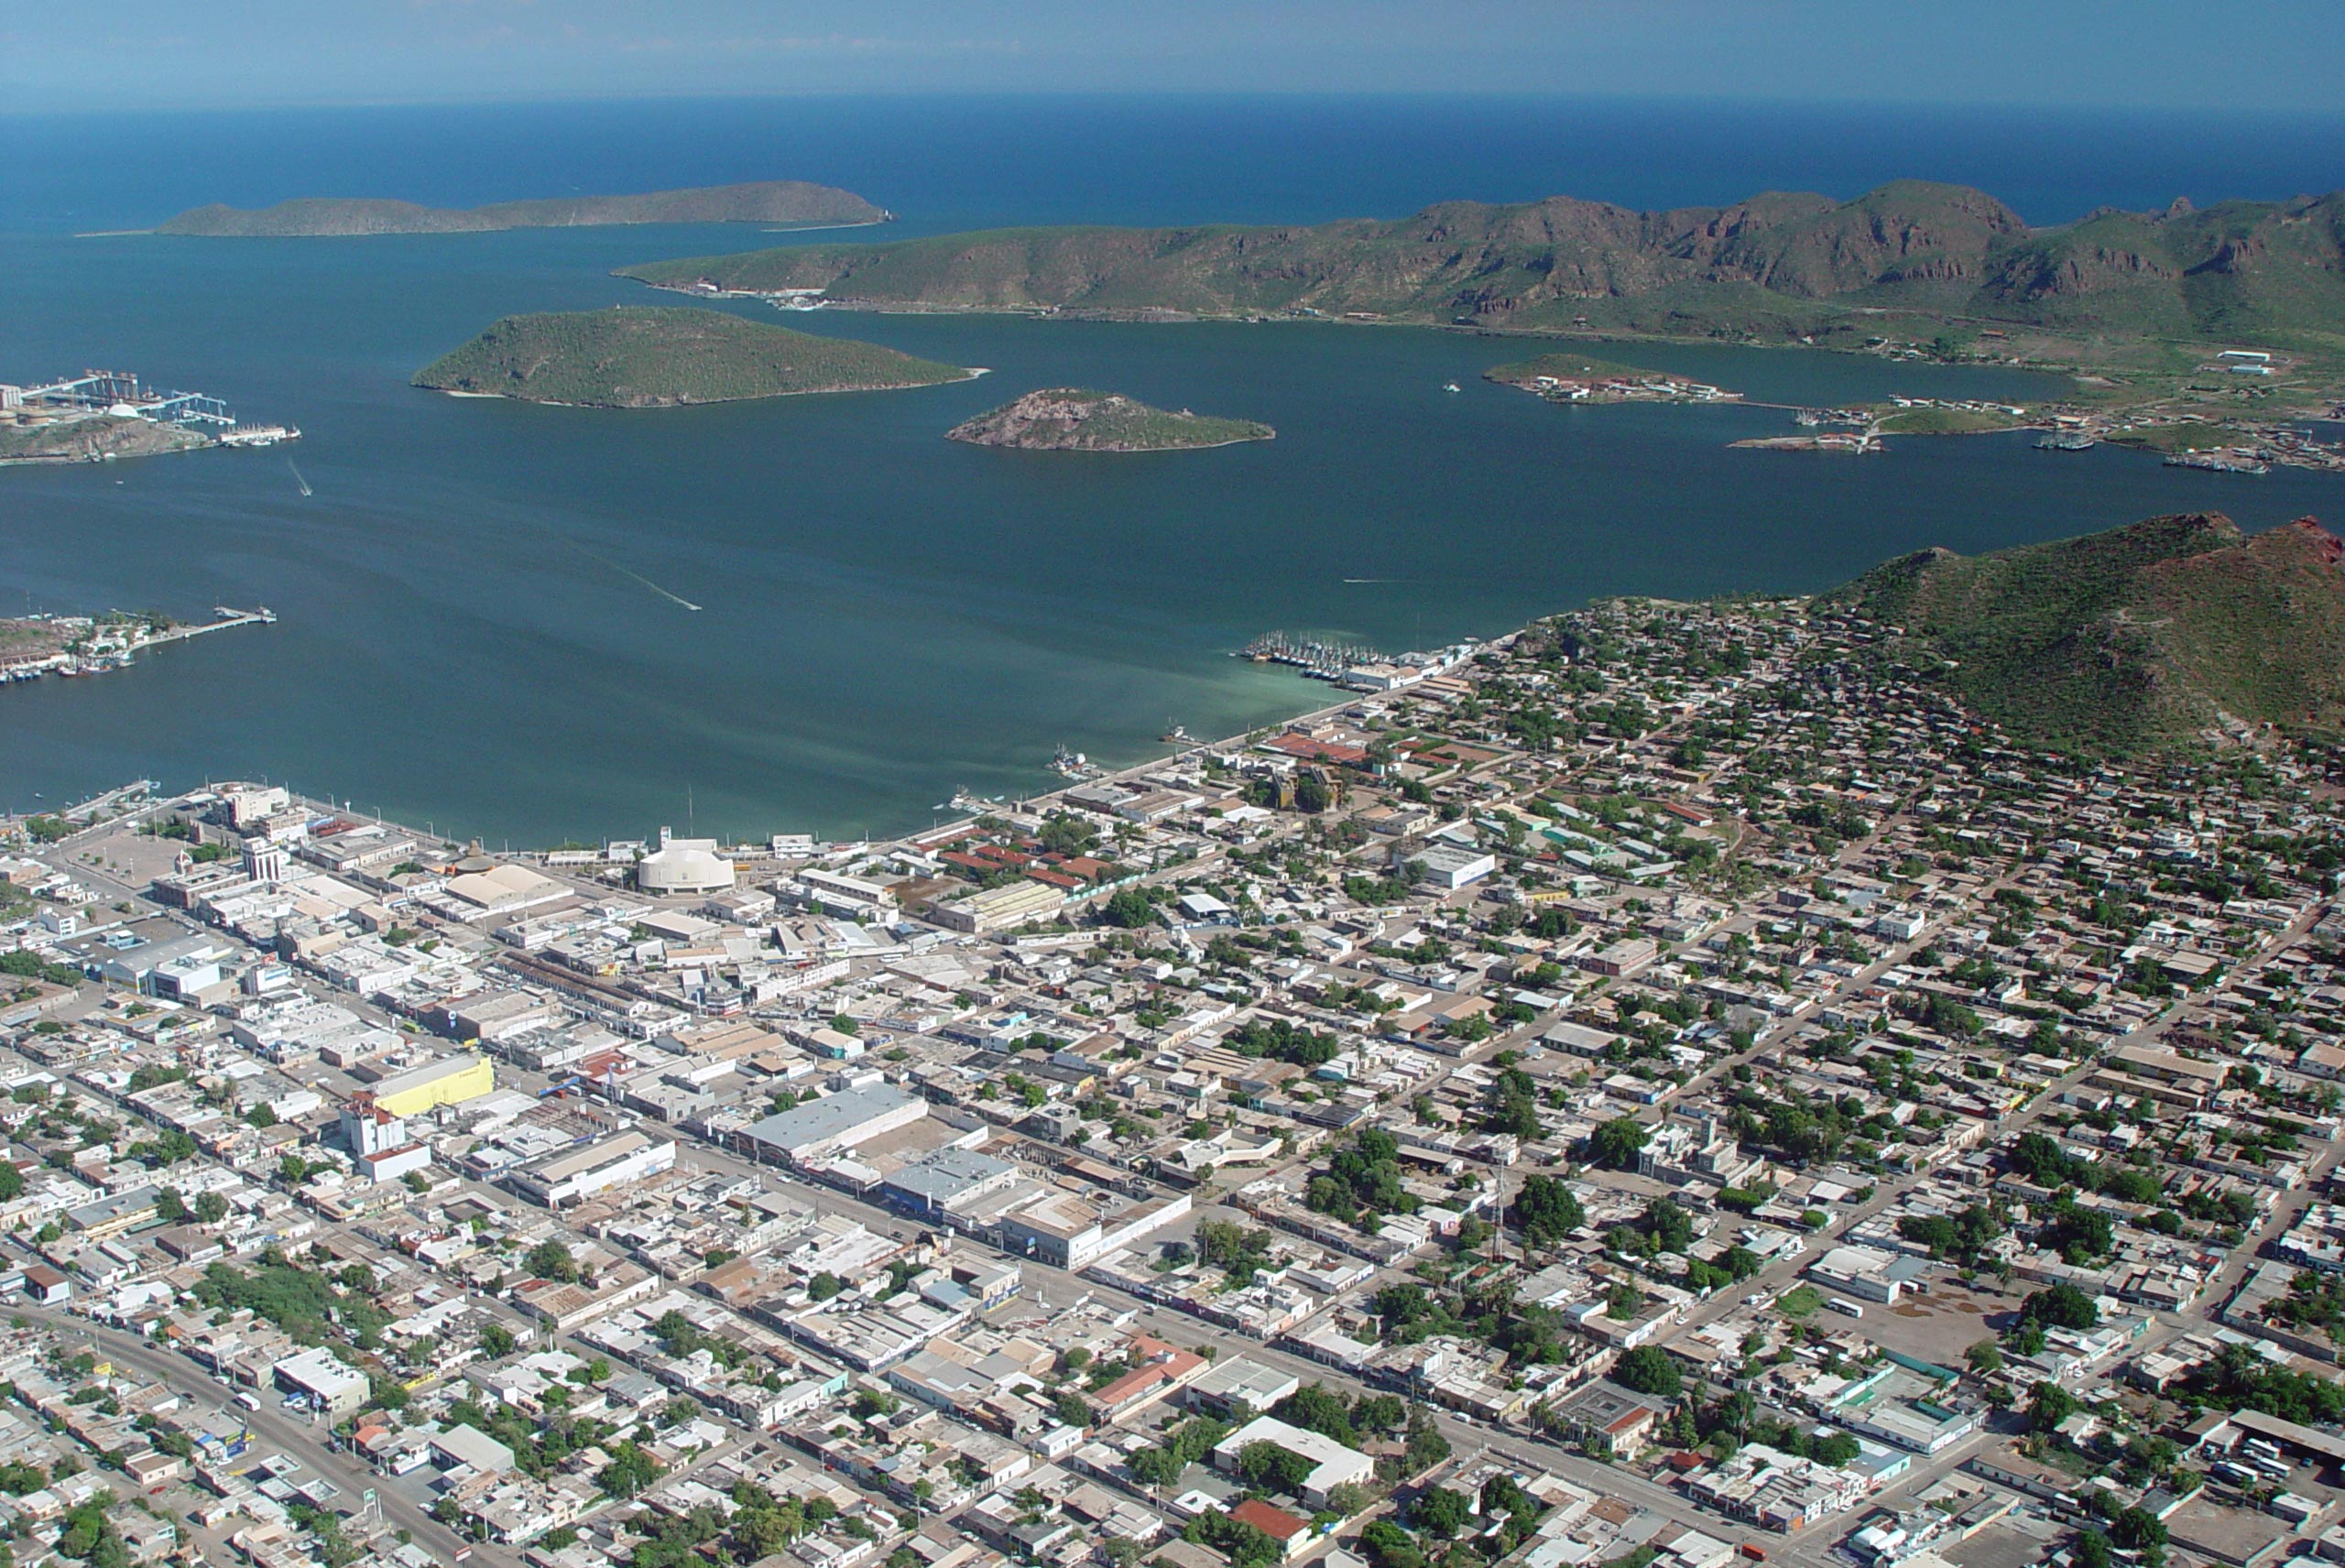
(1570, 377)
(1076, 419)
(788, 202)
(662, 356)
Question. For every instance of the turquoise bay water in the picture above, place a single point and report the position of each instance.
(471, 632)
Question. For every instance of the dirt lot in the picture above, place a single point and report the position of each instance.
(1940, 1323)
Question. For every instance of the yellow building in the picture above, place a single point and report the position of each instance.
(448, 1081)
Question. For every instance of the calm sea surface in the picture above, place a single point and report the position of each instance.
(477, 623)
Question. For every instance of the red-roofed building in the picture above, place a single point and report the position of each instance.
(1163, 1368)
(1304, 748)
(1291, 1533)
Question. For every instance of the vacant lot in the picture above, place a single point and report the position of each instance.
(1940, 1323)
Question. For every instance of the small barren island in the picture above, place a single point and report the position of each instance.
(661, 358)
(791, 203)
(1076, 419)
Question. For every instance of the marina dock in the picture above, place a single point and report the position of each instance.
(99, 646)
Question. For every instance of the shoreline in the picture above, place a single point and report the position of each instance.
(761, 224)
(2323, 402)
(973, 371)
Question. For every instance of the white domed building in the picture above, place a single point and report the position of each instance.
(683, 866)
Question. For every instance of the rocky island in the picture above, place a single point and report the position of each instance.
(663, 357)
(788, 202)
(1076, 419)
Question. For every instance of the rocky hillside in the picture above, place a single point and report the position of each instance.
(2155, 632)
(659, 357)
(763, 202)
(1075, 419)
(1777, 265)
(90, 440)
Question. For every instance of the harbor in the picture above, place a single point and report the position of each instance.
(74, 646)
(101, 414)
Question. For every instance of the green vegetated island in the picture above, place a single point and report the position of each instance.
(1076, 419)
(793, 201)
(663, 357)
(2159, 632)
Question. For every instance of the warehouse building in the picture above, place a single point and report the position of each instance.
(444, 1081)
(835, 1122)
(572, 1176)
(1000, 908)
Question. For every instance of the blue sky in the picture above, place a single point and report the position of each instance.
(137, 54)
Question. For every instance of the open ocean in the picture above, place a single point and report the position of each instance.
(468, 637)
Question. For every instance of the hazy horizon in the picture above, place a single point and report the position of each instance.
(134, 55)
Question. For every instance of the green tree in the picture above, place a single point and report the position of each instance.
(1617, 1143)
(1274, 1468)
(1649, 1370)
(550, 1259)
(631, 1469)
(2048, 1406)
(1439, 1514)
(1546, 1210)
(1128, 908)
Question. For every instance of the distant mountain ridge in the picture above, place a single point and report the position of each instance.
(1779, 263)
(762, 201)
(2142, 635)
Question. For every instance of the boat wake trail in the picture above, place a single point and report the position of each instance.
(639, 577)
(299, 479)
(1361, 580)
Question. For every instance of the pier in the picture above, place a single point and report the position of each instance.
(1319, 661)
(261, 616)
(102, 391)
(99, 646)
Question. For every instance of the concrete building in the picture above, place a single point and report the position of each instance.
(381, 1141)
(574, 1176)
(835, 1122)
(929, 1188)
(1000, 908)
(683, 866)
(1070, 1232)
(317, 1376)
(1863, 1273)
(445, 1081)
(1333, 1464)
(1448, 866)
